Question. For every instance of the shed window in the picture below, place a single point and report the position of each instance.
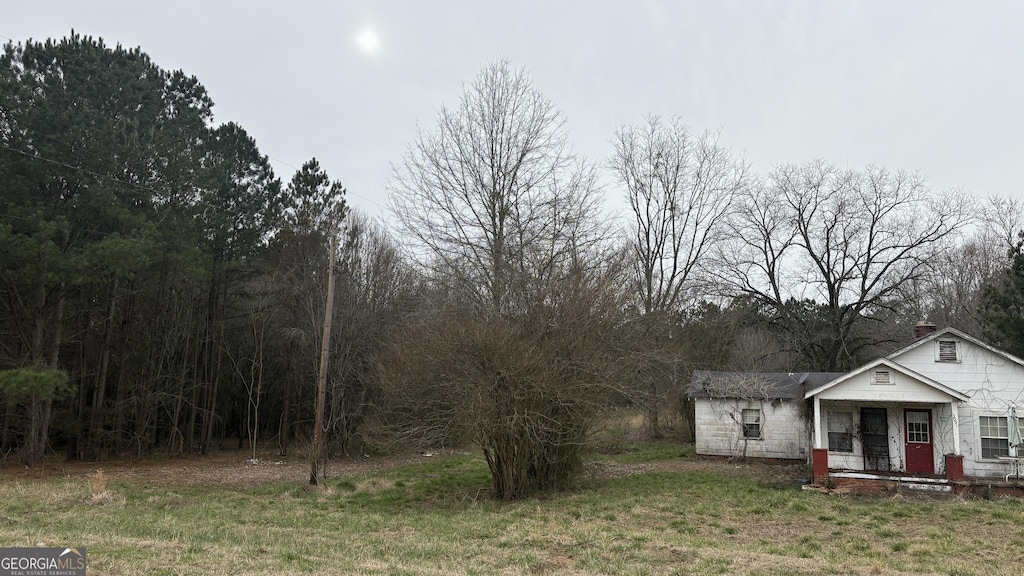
(751, 423)
(840, 432)
(948, 351)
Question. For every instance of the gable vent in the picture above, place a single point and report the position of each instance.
(882, 377)
(947, 351)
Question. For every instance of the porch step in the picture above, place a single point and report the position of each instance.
(902, 479)
(883, 482)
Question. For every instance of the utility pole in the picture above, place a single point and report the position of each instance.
(321, 382)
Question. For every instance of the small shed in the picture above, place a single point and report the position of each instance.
(747, 414)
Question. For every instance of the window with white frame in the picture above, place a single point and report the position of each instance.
(751, 423)
(840, 431)
(947, 351)
(918, 427)
(995, 436)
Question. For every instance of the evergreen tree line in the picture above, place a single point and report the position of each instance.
(161, 289)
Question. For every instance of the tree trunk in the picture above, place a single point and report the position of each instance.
(41, 408)
(123, 393)
(96, 422)
(284, 436)
(653, 403)
(6, 437)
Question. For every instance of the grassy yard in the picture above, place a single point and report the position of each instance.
(662, 514)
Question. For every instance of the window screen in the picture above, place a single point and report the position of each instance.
(840, 431)
(751, 423)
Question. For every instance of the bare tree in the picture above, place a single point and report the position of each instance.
(495, 195)
(680, 187)
(1003, 218)
(828, 249)
(526, 389)
(950, 294)
(250, 364)
(376, 290)
(502, 214)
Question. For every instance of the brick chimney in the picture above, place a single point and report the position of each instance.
(923, 328)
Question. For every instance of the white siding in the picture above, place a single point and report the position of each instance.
(902, 388)
(994, 383)
(978, 372)
(720, 433)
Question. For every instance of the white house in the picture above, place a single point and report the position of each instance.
(945, 404)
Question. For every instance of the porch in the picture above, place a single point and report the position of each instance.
(846, 482)
(841, 480)
(889, 422)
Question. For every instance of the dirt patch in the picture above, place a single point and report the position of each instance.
(758, 470)
(223, 467)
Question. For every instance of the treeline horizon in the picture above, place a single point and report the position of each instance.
(163, 289)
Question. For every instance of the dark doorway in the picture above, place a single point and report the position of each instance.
(874, 432)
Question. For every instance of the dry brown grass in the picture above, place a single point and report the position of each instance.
(663, 515)
(228, 467)
(375, 484)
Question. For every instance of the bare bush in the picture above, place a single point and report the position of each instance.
(525, 389)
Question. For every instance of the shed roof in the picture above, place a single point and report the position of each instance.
(780, 385)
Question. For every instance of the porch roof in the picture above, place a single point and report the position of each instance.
(917, 378)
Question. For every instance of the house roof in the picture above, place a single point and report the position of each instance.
(774, 385)
(788, 385)
(814, 391)
(949, 330)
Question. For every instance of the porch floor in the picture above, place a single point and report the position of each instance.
(894, 482)
(889, 481)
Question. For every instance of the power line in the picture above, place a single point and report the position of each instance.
(78, 168)
(347, 191)
(160, 218)
(96, 155)
(73, 147)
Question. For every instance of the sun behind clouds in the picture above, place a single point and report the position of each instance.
(368, 41)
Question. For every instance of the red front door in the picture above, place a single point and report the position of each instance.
(920, 459)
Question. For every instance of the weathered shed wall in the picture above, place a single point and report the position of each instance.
(720, 432)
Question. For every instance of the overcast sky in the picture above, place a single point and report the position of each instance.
(923, 85)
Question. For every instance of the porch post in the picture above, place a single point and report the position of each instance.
(817, 422)
(954, 461)
(819, 463)
(956, 427)
(819, 455)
